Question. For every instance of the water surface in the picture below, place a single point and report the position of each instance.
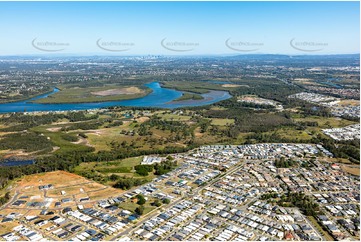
(159, 97)
(16, 162)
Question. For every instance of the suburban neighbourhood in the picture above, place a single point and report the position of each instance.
(337, 105)
(218, 192)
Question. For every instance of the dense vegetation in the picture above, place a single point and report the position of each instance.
(127, 183)
(248, 120)
(69, 137)
(304, 202)
(269, 195)
(83, 126)
(189, 96)
(143, 170)
(342, 149)
(28, 141)
(4, 199)
(283, 163)
(20, 122)
(159, 168)
(177, 127)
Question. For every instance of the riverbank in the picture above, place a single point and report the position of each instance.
(95, 94)
(189, 96)
(159, 97)
(47, 92)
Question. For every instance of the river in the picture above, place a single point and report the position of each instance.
(159, 97)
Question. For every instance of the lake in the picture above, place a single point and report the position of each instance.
(159, 97)
(331, 83)
(16, 162)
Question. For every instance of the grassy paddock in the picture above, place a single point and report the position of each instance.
(124, 167)
(324, 122)
(353, 170)
(131, 206)
(174, 117)
(222, 121)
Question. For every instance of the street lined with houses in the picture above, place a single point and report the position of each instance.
(218, 192)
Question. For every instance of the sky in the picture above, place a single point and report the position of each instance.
(179, 28)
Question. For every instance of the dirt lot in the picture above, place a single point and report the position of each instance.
(234, 85)
(142, 119)
(64, 185)
(54, 129)
(352, 169)
(345, 165)
(119, 91)
(349, 102)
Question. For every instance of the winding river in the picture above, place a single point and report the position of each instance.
(159, 97)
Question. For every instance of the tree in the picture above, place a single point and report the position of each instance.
(114, 177)
(157, 203)
(124, 144)
(166, 201)
(170, 158)
(139, 210)
(143, 169)
(141, 199)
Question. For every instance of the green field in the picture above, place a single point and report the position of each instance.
(58, 140)
(292, 133)
(222, 121)
(122, 168)
(175, 117)
(189, 96)
(199, 87)
(80, 95)
(119, 167)
(131, 206)
(324, 122)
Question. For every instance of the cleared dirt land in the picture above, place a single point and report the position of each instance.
(64, 185)
(345, 165)
(349, 102)
(352, 169)
(119, 91)
(234, 85)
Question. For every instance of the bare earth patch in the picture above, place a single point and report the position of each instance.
(97, 132)
(65, 184)
(349, 102)
(54, 129)
(197, 133)
(234, 85)
(302, 79)
(17, 153)
(354, 170)
(118, 91)
(82, 141)
(142, 119)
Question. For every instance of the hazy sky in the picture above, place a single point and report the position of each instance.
(187, 28)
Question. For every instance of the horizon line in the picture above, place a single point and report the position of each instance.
(169, 55)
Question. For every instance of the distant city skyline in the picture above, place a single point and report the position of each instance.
(179, 28)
